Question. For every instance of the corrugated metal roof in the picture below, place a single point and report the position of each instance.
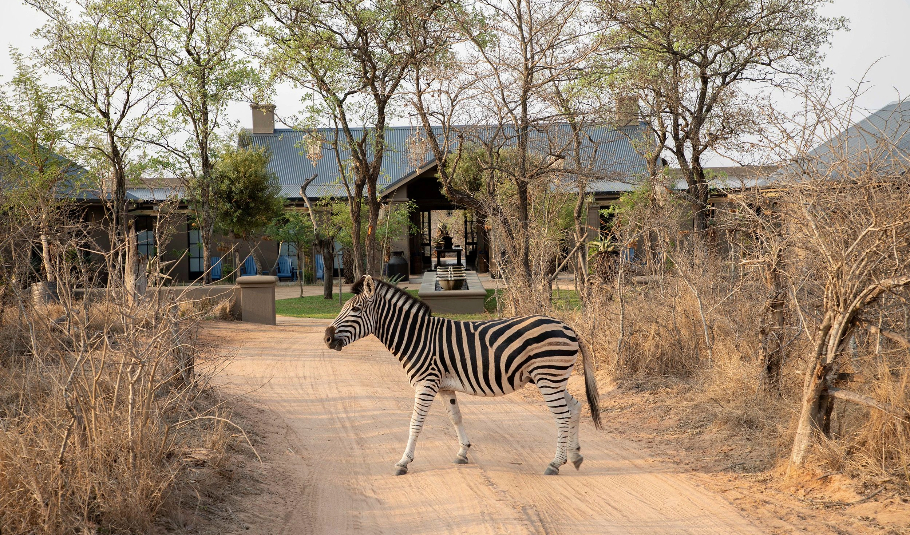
(606, 152)
(880, 141)
(879, 144)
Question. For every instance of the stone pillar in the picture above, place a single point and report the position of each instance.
(257, 298)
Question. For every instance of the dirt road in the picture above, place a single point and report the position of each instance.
(344, 422)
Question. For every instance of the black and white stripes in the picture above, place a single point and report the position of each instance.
(484, 358)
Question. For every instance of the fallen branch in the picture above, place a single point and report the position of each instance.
(568, 256)
(846, 395)
(891, 335)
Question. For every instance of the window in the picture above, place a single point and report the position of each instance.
(195, 252)
(145, 235)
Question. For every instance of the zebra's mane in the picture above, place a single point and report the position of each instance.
(357, 288)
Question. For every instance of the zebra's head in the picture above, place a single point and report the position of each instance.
(356, 317)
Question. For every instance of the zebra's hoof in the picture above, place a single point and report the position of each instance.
(551, 471)
(577, 462)
(460, 460)
(401, 470)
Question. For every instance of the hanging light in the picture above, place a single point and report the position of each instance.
(313, 144)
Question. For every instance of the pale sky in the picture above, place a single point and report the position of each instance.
(878, 31)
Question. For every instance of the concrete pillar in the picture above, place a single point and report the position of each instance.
(257, 298)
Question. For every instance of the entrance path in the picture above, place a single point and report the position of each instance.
(345, 422)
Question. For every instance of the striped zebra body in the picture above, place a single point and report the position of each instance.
(484, 358)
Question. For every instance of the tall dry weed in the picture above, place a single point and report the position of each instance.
(100, 398)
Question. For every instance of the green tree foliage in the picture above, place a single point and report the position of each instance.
(98, 49)
(246, 196)
(690, 64)
(197, 56)
(36, 180)
(355, 56)
(294, 226)
(394, 224)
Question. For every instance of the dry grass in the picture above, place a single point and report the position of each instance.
(648, 332)
(95, 423)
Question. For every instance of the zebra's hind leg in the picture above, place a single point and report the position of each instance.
(574, 448)
(423, 398)
(448, 397)
(554, 394)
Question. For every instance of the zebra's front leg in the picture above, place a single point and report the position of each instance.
(448, 397)
(423, 398)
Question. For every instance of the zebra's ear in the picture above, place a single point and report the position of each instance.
(369, 286)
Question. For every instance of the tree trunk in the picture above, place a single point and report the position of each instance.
(300, 267)
(374, 260)
(205, 237)
(49, 274)
(327, 249)
(810, 414)
(357, 238)
(698, 193)
(581, 255)
(773, 329)
(131, 265)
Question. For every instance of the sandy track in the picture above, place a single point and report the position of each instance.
(345, 420)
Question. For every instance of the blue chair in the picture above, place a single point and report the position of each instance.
(216, 268)
(249, 266)
(284, 268)
(320, 267)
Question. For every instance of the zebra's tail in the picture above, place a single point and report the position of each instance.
(590, 385)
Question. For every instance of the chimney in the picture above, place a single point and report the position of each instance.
(626, 111)
(263, 118)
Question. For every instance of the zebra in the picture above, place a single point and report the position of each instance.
(483, 358)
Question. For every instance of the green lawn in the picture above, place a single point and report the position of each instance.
(317, 307)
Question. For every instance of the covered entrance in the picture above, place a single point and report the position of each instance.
(433, 211)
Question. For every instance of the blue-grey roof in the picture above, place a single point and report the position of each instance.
(153, 194)
(878, 144)
(12, 167)
(607, 154)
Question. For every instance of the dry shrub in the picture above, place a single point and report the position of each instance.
(100, 396)
(92, 430)
(869, 444)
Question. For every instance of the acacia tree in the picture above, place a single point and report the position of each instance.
(355, 56)
(34, 173)
(509, 58)
(691, 63)
(99, 53)
(843, 224)
(195, 50)
(325, 232)
(293, 226)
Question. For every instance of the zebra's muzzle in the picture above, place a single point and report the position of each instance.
(330, 341)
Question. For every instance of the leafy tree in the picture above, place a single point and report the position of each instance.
(293, 226)
(690, 63)
(503, 63)
(246, 195)
(99, 53)
(355, 56)
(196, 53)
(34, 176)
(394, 223)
